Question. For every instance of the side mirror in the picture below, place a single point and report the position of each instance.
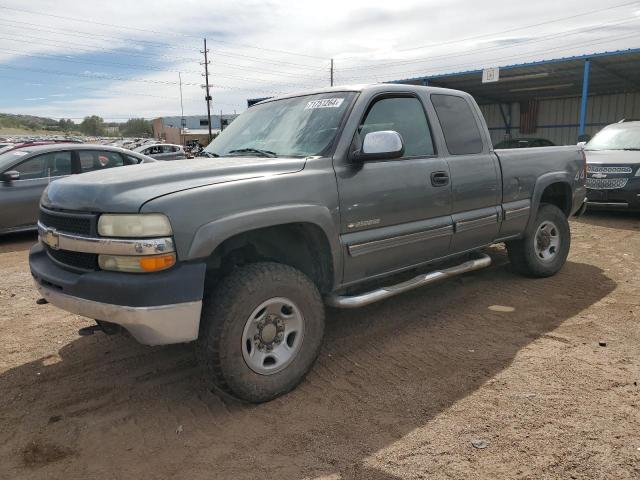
(581, 144)
(10, 176)
(386, 144)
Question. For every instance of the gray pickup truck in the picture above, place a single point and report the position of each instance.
(339, 197)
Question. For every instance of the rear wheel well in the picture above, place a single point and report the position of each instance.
(558, 194)
(303, 246)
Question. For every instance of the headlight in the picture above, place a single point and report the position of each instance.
(134, 226)
(135, 264)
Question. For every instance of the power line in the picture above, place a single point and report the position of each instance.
(75, 87)
(154, 44)
(90, 62)
(129, 28)
(230, 65)
(124, 79)
(82, 47)
(516, 29)
(566, 33)
(136, 67)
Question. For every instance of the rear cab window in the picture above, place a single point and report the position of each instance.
(459, 125)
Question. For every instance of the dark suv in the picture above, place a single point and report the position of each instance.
(613, 167)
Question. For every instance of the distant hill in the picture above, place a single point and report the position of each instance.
(28, 122)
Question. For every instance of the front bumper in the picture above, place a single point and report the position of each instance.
(156, 308)
(627, 198)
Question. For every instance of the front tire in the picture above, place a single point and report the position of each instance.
(544, 250)
(261, 330)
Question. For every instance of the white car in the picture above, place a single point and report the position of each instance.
(162, 151)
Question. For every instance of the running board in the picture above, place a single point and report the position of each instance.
(355, 301)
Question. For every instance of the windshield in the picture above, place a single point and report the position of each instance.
(616, 137)
(291, 127)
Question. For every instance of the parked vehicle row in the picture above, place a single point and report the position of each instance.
(338, 197)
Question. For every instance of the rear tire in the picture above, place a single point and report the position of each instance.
(260, 332)
(544, 250)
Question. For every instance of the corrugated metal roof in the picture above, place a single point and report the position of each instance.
(610, 72)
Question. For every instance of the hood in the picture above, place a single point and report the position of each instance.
(613, 157)
(126, 189)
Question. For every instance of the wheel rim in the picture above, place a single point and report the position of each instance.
(272, 336)
(547, 241)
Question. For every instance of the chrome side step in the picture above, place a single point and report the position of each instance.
(355, 301)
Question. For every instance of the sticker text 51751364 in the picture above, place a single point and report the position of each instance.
(324, 103)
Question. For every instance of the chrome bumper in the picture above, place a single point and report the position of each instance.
(157, 325)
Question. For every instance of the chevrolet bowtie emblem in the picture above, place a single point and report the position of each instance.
(51, 238)
(598, 175)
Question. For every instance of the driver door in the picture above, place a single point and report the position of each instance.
(395, 213)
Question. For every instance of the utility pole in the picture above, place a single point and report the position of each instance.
(182, 122)
(332, 72)
(206, 86)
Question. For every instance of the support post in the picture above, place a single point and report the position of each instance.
(585, 94)
(332, 72)
(506, 120)
(425, 82)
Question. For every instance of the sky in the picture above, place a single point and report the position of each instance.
(120, 60)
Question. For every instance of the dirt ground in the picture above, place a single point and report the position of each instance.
(402, 389)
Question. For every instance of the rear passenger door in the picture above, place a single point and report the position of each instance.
(476, 184)
(393, 214)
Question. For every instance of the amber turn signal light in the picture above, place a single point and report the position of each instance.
(156, 263)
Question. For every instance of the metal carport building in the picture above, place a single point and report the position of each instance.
(560, 99)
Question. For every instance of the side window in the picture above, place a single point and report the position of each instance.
(60, 163)
(167, 149)
(131, 160)
(33, 168)
(54, 164)
(91, 160)
(406, 116)
(458, 124)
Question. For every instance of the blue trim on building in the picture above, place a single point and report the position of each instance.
(585, 94)
(524, 65)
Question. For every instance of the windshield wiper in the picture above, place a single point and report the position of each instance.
(632, 149)
(257, 151)
(208, 154)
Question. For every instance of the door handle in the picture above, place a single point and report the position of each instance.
(439, 179)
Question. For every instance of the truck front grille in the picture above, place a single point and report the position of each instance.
(606, 183)
(74, 260)
(76, 223)
(597, 169)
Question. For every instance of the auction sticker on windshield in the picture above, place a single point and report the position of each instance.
(324, 103)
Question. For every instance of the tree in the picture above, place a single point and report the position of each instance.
(136, 127)
(66, 125)
(93, 125)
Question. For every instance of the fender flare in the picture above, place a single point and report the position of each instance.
(211, 235)
(541, 184)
